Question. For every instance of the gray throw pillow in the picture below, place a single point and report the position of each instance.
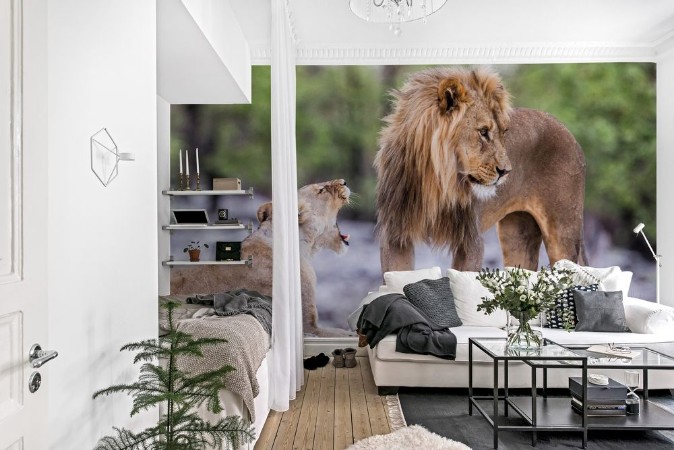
(435, 299)
(600, 311)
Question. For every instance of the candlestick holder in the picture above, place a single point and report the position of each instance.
(187, 182)
(180, 182)
(198, 182)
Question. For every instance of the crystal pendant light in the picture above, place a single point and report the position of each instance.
(395, 12)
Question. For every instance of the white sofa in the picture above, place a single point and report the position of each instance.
(650, 324)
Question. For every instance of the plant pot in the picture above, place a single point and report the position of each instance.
(521, 336)
(194, 255)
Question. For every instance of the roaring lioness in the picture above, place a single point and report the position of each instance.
(318, 207)
(455, 159)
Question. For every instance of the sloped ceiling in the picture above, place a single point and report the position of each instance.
(472, 31)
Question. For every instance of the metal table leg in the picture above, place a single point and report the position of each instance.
(534, 437)
(495, 403)
(505, 387)
(470, 377)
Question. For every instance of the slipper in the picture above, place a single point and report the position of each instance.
(314, 362)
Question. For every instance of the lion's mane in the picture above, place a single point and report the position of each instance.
(417, 162)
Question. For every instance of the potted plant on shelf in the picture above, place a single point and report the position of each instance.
(515, 291)
(194, 250)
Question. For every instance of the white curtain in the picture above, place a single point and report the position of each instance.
(287, 344)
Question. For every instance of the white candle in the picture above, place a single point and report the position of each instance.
(180, 158)
(197, 160)
(187, 163)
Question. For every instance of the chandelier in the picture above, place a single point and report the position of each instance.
(395, 12)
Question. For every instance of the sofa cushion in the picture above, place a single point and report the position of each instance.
(385, 350)
(648, 317)
(396, 281)
(608, 278)
(565, 305)
(434, 297)
(600, 311)
(468, 293)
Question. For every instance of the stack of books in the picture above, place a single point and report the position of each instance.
(606, 400)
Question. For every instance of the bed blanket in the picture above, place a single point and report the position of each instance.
(246, 347)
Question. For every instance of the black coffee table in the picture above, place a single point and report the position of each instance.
(542, 413)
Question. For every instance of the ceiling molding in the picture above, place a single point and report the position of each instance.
(463, 54)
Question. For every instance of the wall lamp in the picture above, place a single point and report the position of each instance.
(639, 229)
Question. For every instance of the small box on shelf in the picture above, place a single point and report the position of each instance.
(228, 251)
(226, 184)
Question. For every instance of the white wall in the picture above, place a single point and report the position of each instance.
(102, 241)
(665, 180)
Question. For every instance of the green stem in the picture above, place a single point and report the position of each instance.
(171, 369)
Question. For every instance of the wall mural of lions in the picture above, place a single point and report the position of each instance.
(318, 229)
(455, 159)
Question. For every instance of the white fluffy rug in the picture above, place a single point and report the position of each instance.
(405, 438)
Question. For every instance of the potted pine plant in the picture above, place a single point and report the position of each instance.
(194, 250)
(179, 427)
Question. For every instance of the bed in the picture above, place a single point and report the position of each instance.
(247, 393)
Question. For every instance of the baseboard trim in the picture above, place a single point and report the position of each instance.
(315, 345)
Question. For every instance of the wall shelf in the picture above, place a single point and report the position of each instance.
(250, 192)
(247, 262)
(240, 226)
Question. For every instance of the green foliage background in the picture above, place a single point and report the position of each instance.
(610, 108)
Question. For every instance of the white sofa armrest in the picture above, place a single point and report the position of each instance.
(647, 317)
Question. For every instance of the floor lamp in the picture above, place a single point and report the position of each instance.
(658, 260)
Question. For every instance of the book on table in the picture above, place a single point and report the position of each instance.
(605, 408)
(613, 391)
(608, 400)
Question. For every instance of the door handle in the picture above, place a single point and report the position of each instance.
(39, 357)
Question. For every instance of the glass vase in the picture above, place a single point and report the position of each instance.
(522, 336)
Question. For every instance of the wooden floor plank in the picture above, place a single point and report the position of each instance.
(288, 426)
(267, 435)
(325, 421)
(375, 404)
(343, 433)
(360, 421)
(304, 437)
(335, 408)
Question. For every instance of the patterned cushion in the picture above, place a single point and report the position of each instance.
(565, 305)
(435, 299)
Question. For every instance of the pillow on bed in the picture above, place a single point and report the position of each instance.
(468, 293)
(396, 281)
(434, 297)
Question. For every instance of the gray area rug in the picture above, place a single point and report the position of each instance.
(445, 412)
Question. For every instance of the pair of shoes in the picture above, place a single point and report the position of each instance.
(314, 362)
(344, 357)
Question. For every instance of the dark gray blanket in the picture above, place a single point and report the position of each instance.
(240, 301)
(417, 333)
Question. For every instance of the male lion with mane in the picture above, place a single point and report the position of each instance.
(317, 219)
(455, 159)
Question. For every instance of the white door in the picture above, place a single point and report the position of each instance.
(23, 229)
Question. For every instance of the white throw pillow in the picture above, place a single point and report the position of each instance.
(396, 281)
(608, 278)
(468, 293)
(648, 317)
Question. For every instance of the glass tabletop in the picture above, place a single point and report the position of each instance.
(644, 358)
(496, 348)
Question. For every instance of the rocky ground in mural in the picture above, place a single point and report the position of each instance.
(343, 280)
